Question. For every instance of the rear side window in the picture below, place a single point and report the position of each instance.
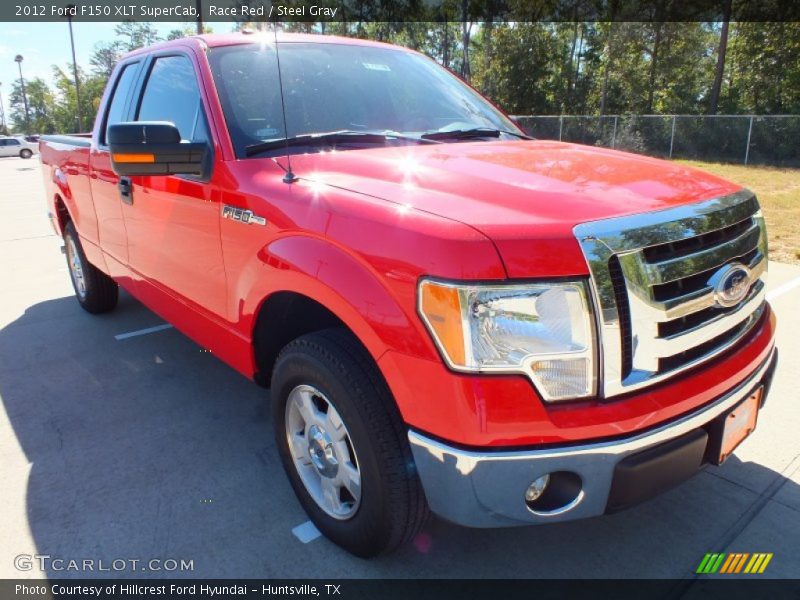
(116, 108)
(172, 94)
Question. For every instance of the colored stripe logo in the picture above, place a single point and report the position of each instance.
(734, 562)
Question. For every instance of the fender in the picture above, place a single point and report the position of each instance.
(343, 283)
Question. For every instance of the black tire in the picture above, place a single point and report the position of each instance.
(25, 153)
(101, 292)
(392, 506)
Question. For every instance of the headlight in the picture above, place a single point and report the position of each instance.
(542, 330)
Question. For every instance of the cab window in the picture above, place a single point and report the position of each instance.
(172, 94)
(116, 107)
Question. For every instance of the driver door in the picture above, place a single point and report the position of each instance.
(173, 221)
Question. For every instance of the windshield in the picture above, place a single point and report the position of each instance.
(332, 87)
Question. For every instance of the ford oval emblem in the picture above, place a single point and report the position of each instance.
(731, 284)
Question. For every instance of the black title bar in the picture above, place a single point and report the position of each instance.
(400, 589)
(399, 11)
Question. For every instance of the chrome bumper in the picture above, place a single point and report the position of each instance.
(487, 489)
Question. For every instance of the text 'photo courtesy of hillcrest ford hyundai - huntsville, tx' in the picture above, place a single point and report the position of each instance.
(451, 316)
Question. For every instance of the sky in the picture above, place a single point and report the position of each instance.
(45, 44)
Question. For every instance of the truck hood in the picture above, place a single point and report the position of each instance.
(526, 196)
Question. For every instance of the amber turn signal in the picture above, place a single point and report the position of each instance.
(441, 307)
(134, 158)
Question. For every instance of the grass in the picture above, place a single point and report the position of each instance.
(778, 191)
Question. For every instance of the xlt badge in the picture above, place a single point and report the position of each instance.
(242, 215)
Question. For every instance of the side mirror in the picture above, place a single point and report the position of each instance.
(154, 148)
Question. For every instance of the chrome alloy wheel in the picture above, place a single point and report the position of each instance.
(322, 452)
(76, 268)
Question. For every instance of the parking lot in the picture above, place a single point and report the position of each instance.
(144, 446)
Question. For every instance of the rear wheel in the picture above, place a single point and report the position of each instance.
(96, 291)
(25, 153)
(343, 444)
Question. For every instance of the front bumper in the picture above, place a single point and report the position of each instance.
(487, 488)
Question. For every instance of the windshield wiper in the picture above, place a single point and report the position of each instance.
(331, 138)
(477, 132)
(317, 139)
(401, 136)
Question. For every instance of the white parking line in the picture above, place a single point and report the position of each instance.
(306, 532)
(781, 290)
(125, 336)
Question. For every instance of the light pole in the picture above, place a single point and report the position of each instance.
(199, 7)
(2, 113)
(18, 60)
(70, 12)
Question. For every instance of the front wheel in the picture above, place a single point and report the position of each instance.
(343, 444)
(25, 153)
(96, 291)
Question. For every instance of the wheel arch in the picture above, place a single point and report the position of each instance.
(63, 201)
(285, 316)
(304, 297)
(62, 213)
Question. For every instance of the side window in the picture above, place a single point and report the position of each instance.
(125, 81)
(172, 94)
(13, 142)
(3, 142)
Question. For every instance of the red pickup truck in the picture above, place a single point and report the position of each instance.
(451, 316)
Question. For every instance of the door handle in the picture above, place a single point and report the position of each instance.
(125, 188)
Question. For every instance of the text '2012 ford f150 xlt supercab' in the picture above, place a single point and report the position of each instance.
(450, 316)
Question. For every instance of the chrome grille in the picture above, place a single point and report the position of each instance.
(654, 278)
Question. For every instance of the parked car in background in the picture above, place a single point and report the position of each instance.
(18, 146)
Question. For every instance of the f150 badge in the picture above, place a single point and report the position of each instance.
(243, 216)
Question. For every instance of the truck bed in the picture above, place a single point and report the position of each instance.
(60, 150)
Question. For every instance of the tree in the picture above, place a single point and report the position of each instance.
(527, 67)
(135, 35)
(186, 31)
(764, 74)
(608, 55)
(40, 105)
(653, 54)
(521, 73)
(722, 48)
(466, 33)
(64, 107)
(686, 67)
(104, 58)
(130, 36)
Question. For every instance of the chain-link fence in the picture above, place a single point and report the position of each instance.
(744, 139)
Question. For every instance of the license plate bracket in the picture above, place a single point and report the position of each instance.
(733, 427)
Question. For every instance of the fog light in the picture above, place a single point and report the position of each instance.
(537, 488)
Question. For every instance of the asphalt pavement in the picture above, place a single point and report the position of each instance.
(121, 440)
